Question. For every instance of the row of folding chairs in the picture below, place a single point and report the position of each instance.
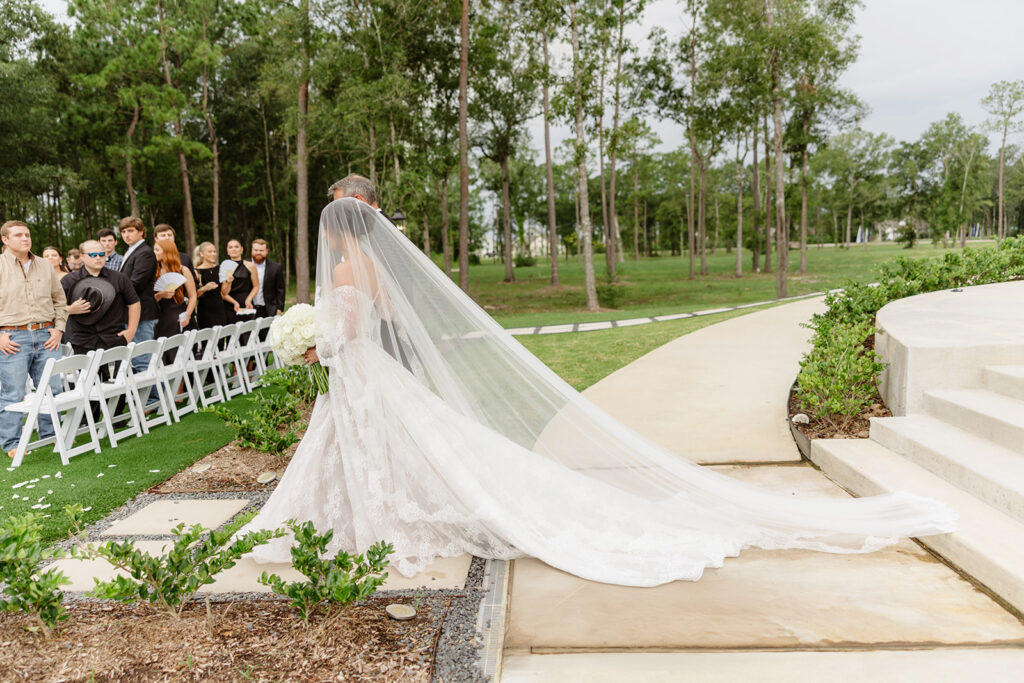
(194, 369)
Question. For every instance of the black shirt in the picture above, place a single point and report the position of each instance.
(102, 333)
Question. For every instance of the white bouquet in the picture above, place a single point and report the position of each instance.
(291, 334)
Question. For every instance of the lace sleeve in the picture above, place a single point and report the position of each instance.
(339, 321)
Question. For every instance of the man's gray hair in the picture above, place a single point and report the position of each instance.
(354, 184)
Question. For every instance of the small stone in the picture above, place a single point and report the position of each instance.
(199, 469)
(266, 477)
(400, 612)
(801, 419)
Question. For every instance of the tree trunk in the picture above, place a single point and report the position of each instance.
(216, 159)
(609, 237)
(803, 208)
(1002, 163)
(552, 226)
(692, 136)
(581, 162)
(301, 169)
(702, 228)
(756, 191)
(849, 222)
(270, 181)
(767, 202)
(186, 192)
(426, 234)
(133, 198)
(464, 151)
(446, 249)
(781, 227)
(506, 222)
(636, 209)
(739, 210)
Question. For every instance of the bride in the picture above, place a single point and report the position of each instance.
(469, 444)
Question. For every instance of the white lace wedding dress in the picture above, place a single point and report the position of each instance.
(386, 458)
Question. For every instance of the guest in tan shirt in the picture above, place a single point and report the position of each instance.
(33, 313)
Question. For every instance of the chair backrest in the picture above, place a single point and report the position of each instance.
(201, 346)
(180, 345)
(83, 368)
(121, 355)
(227, 334)
(150, 346)
(249, 327)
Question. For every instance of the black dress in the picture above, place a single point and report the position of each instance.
(167, 323)
(210, 307)
(241, 285)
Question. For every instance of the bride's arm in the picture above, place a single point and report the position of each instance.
(342, 319)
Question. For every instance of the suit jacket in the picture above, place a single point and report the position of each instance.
(186, 260)
(140, 268)
(273, 288)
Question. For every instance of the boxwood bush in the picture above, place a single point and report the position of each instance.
(833, 383)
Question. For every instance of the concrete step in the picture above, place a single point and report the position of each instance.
(986, 546)
(990, 472)
(991, 416)
(1005, 379)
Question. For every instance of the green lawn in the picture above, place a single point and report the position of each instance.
(583, 358)
(658, 286)
(104, 481)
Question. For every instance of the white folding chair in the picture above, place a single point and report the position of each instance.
(266, 357)
(175, 376)
(202, 364)
(147, 380)
(109, 393)
(66, 409)
(229, 364)
(249, 352)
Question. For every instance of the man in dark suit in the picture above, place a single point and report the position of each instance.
(269, 300)
(139, 266)
(166, 232)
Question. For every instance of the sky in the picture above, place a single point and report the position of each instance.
(919, 60)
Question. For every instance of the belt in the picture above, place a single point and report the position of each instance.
(30, 326)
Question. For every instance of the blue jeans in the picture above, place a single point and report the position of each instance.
(14, 370)
(144, 332)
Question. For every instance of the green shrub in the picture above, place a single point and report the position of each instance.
(262, 427)
(524, 261)
(293, 380)
(339, 580)
(837, 379)
(172, 579)
(27, 589)
(608, 295)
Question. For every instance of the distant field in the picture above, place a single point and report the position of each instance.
(658, 286)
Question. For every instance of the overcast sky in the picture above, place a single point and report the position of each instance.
(919, 59)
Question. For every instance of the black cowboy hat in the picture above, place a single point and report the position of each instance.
(99, 292)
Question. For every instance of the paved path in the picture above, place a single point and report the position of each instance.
(718, 395)
(609, 324)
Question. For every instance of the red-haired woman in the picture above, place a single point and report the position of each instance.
(176, 305)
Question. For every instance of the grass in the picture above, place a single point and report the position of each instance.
(659, 285)
(583, 358)
(105, 480)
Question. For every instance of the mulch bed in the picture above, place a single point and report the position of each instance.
(242, 640)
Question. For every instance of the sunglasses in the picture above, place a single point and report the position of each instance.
(95, 254)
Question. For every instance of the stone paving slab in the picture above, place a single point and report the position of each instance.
(762, 599)
(160, 517)
(82, 572)
(960, 665)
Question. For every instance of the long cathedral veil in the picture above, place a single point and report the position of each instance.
(456, 349)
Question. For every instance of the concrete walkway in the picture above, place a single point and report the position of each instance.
(718, 396)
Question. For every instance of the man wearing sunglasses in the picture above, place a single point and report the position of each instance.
(106, 314)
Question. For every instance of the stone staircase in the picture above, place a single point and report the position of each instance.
(965, 447)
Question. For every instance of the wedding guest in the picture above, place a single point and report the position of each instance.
(210, 306)
(175, 306)
(33, 313)
(269, 299)
(166, 232)
(52, 254)
(239, 288)
(105, 306)
(139, 266)
(74, 259)
(108, 238)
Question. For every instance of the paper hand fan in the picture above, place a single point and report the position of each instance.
(227, 267)
(246, 311)
(168, 282)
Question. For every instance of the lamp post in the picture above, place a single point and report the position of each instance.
(398, 218)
